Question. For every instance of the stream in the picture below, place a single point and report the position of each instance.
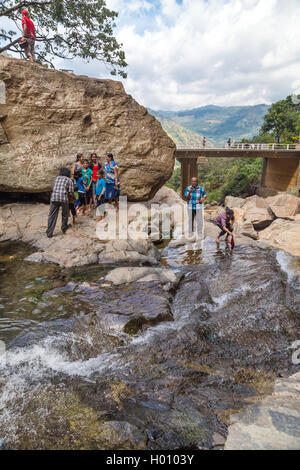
(68, 382)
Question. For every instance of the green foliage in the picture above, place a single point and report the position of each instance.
(283, 119)
(68, 29)
(224, 176)
(174, 181)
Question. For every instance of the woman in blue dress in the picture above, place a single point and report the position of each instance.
(112, 181)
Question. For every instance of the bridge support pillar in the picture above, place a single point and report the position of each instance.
(189, 169)
(281, 174)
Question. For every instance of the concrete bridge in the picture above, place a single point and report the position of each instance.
(281, 163)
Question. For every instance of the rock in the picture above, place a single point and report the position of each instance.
(166, 196)
(127, 275)
(234, 202)
(260, 218)
(120, 435)
(79, 246)
(283, 234)
(211, 213)
(66, 114)
(254, 202)
(284, 205)
(129, 250)
(272, 424)
(246, 229)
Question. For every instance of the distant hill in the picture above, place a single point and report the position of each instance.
(217, 123)
(182, 136)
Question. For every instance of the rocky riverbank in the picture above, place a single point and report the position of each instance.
(272, 221)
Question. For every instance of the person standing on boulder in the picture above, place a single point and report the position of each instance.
(95, 166)
(62, 187)
(112, 181)
(28, 36)
(195, 196)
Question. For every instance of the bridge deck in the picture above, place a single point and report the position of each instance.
(182, 154)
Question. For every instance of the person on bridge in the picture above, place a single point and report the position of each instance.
(195, 196)
(28, 36)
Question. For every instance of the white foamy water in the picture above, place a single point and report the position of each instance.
(285, 263)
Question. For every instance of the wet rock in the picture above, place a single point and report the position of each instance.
(120, 435)
(272, 424)
(73, 113)
(127, 275)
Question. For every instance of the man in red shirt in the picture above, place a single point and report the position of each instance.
(28, 35)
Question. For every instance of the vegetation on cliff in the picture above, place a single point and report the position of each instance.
(282, 119)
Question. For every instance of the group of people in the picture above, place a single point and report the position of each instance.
(89, 186)
(195, 196)
(85, 187)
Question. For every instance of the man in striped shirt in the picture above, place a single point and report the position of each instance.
(62, 187)
(195, 196)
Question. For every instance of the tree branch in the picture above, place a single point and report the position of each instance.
(5, 48)
(23, 5)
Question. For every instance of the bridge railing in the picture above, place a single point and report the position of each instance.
(252, 146)
(242, 146)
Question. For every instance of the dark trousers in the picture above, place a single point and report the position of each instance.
(53, 214)
(228, 226)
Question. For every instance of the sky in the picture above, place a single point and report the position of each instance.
(183, 54)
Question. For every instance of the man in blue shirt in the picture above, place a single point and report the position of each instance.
(195, 196)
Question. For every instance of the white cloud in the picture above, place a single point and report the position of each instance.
(218, 51)
(198, 52)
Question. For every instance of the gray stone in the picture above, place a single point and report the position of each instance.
(272, 424)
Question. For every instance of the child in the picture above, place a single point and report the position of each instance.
(81, 191)
(87, 174)
(72, 200)
(100, 190)
(225, 222)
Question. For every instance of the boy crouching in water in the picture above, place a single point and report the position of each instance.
(100, 190)
(225, 222)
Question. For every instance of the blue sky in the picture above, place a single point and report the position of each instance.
(188, 53)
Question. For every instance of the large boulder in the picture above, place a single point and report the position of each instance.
(47, 117)
(284, 205)
(283, 234)
(231, 201)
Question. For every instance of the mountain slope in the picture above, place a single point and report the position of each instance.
(182, 136)
(217, 123)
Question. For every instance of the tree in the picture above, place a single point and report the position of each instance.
(67, 29)
(283, 119)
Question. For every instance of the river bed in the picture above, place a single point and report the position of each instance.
(68, 382)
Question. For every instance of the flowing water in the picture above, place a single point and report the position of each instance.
(67, 381)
